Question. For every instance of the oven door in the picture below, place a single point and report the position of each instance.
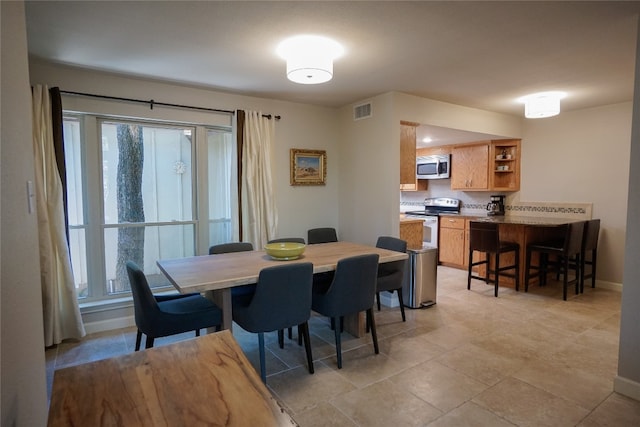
(429, 230)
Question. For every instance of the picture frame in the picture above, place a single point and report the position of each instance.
(308, 167)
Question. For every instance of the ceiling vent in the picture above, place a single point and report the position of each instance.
(362, 111)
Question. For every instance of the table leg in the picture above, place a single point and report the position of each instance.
(222, 298)
(355, 324)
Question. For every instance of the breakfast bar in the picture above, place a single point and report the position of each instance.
(524, 231)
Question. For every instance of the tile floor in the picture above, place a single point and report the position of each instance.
(472, 359)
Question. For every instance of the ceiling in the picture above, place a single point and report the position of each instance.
(477, 54)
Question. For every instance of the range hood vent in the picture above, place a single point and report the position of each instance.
(362, 111)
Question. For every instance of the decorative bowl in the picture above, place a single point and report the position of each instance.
(284, 251)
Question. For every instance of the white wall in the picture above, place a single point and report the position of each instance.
(301, 126)
(583, 157)
(628, 380)
(23, 381)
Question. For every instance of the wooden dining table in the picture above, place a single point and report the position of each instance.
(215, 275)
(205, 381)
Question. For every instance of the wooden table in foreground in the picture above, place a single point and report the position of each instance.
(219, 273)
(204, 381)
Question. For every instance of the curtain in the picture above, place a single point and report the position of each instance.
(259, 215)
(61, 313)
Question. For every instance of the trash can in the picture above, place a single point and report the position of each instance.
(419, 286)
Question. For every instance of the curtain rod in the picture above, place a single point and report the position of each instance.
(151, 103)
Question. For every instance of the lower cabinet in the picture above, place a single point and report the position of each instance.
(453, 245)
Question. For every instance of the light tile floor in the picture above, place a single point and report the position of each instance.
(472, 359)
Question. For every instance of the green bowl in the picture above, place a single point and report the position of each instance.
(284, 251)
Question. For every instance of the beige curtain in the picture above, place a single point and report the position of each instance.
(259, 216)
(62, 317)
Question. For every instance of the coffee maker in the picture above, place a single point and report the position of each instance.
(495, 205)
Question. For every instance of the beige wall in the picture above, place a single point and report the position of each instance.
(22, 380)
(583, 157)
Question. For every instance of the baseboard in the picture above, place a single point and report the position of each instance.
(612, 286)
(626, 387)
(109, 324)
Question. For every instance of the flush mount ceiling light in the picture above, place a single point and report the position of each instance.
(309, 58)
(542, 104)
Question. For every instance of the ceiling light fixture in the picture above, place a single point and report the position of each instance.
(542, 104)
(309, 58)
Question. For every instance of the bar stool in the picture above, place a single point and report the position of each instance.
(484, 237)
(589, 244)
(563, 250)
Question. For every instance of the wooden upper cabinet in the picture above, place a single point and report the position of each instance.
(408, 179)
(470, 167)
(504, 165)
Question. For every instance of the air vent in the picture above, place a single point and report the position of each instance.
(362, 111)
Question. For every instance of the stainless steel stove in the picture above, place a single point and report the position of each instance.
(433, 207)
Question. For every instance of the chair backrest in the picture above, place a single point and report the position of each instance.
(230, 247)
(322, 235)
(573, 239)
(145, 306)
(282, 298)
(354, 285)
(393, 244)
(288, 239)
(484, 236)
(591, 233)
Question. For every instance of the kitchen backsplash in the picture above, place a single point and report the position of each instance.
(475, 203)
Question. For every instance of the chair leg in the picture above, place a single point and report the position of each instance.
(378, 299)
(304, 328)
(197, 332)
(138, 339)
(594, 258)
(469, 270)
(517, 259)
(281, 338)
(527, 267)
(497, 275)
(263, 370)
(487, 260)
(565, 281)
(300, 335)
(290, 333)
(400, 301)
(149, 342)
(338, 346)
(374, 335)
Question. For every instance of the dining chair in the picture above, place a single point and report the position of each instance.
(322, 235)
(485, 237)
(391, 274)
(224, 248)
(287, 239)
(570, 246)
(352, 290)
(157, 317)
(282, 299)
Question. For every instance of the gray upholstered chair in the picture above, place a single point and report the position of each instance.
(352, 290)
(282, 299)
(391, 274)
(169, 316)
(287, 239)
(322, 235)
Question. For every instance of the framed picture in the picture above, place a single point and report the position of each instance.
(308, 167)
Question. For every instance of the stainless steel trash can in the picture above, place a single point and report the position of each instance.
(419, 286)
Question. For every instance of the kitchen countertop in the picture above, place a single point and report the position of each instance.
(521, 220)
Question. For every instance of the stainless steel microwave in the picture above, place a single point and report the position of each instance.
(433, 167)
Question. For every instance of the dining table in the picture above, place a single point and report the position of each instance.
(215, 275)
(204, 381)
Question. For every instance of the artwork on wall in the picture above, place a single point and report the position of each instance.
(308, 167)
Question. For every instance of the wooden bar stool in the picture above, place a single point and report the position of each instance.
(485, 237)
(563, 250)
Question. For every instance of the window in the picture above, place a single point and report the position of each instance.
(144, 201)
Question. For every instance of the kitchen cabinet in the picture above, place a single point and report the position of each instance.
(408, 181)
(504, 165)
(470, 167)
(451, 245)
(486, 166)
